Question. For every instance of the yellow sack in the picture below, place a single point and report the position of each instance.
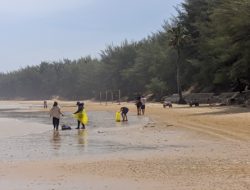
(85, 119)
(118, 116)
(82, 117)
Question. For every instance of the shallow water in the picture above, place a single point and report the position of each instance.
(48, 144)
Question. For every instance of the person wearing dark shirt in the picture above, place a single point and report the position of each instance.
(138, 104)
(45, 105)
(124, 111)
(79, 109)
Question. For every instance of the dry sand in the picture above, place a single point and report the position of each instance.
(203, 148)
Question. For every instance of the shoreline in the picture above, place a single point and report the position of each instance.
(195, 148)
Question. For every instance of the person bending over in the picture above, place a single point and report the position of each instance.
(124, 111)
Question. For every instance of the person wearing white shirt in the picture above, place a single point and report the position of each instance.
(55, 113)
(143, 106)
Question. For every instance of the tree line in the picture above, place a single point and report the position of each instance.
(205, 48)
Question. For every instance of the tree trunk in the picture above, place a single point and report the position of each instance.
(181, 99)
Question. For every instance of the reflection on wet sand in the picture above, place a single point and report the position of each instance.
(82, 137)
(56, 140)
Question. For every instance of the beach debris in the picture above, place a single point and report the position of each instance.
(66, 127)
(149, 125)
(100, 132)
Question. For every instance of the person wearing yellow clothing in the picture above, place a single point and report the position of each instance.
(80, 114)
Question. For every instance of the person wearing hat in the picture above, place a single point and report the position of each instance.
(79, 109)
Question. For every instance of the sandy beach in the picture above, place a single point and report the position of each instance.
(182, 148)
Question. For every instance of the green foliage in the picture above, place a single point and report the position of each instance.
(157, 87)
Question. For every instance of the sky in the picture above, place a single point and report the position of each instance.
(32, 31)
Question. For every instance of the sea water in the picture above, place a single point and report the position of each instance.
(40, 141)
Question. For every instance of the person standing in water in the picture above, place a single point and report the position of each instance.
(138, 105)
(143, 104)
(124, 111)
(55, 113)
(80, 110)
(45, 105)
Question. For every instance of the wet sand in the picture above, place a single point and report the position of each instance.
(180, 148)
